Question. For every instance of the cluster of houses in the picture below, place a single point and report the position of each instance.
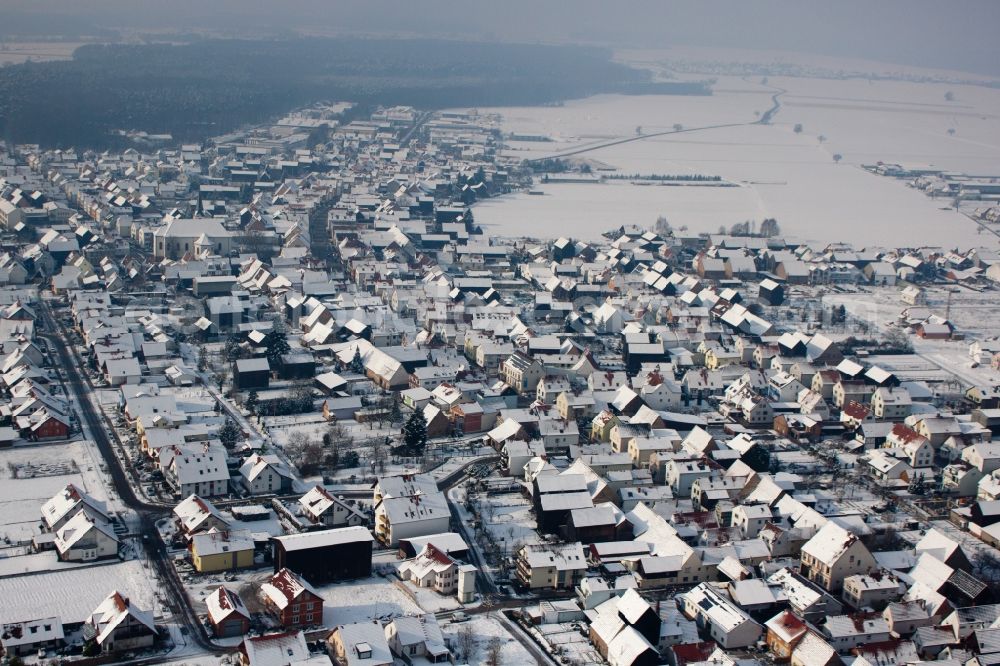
(682, 412)
(334, 545)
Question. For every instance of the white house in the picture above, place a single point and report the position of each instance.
(750, 519)
(84, 538)
(832, 554)
(727, 623)
(194, 514)
(322, 508)
(417, 638)
(432, 568)
(417, 515)
(891, 404)
(118, 625)
(984, 456)
(265, 474)
(69, 501)
(196, 469)
(551, 566)
(179, 236)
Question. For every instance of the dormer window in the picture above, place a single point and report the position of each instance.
(363, 650)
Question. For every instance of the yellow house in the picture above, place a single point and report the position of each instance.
(600, 427)
(572, 406)
(717, 358)
(221, 551)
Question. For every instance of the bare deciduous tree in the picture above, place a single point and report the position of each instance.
(493, 651)
(378, 453)
(467, 644)
(305, 454)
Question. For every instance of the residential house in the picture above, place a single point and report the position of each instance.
(227, 613)
(196, 469)
(360, 644)
(724, 621)
(550, 566)
(265, 474)
(194, 514)
(68, 502)
(417, 638)
(287, 648)
(321, 507)
(411, 516)
(212, 552)
(832, 554)
(117, 625)
(784, 631)
(84, 538)
(522, 373)
(291, 600)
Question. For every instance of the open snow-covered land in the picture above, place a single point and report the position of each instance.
(484, 628)
(365, 599)
(782, 173)
(73, 594)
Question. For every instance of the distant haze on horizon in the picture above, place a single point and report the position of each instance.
(958, 35)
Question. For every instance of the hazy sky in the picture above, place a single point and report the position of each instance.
(953, 34)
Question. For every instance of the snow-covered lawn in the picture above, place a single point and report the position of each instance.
(509, 519)
(72, 594)
(271, 525)
(484, 628)
(431, 601)
(365, 599)
(973, 313)
(24, 561)
(569, 643)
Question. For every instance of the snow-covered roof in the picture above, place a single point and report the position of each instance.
(277, 649)
(285, 587)
(114, 610)
(224, 602)
(324, 538)
(68, 500)
(78, 527)
(364, 638)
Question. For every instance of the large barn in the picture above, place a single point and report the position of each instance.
(325, 555)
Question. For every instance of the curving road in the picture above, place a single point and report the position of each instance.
(765, 119)
(148, 512)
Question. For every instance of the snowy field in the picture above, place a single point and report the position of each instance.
(784, 174)
(569, 643)
(484, 628)
(73, 594)
(365, 599)
(431, 601)
(508, 517)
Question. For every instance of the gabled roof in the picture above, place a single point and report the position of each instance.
(114, 610)
(276, 649)
(223, 603)
(285, 587)
(68, 500)
(193, 511)
(829, 543)
(79, 526)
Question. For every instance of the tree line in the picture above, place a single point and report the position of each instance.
(208, 87)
